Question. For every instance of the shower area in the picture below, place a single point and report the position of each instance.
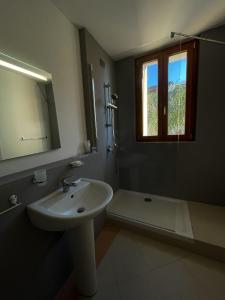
(147, 211)
(165, 184)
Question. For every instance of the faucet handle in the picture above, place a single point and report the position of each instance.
(66, 182)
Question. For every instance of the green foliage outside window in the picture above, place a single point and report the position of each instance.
(176, 110)
(153, 112)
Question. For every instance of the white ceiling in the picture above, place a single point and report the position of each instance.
(125, 27)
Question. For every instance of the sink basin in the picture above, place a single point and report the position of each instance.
(62, 211)
(73, 212)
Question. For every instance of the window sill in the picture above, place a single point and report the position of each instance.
(165, 142)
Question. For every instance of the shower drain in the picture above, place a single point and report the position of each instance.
(147, 199)
(80, 210)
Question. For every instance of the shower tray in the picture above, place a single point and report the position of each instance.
(161, 214)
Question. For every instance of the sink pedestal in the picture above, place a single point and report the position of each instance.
(82, 246)
(73, 212)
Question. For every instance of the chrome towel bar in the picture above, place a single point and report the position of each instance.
(13, 200)
(33, 138)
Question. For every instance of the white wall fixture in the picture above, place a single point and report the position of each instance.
(76, 164)
(73, 212)
(87, 146)
(40, 177)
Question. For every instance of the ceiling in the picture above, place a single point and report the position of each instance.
(127, 27)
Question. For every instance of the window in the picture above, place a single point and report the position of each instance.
(165, 94)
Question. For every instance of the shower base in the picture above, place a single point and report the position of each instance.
(156, 213)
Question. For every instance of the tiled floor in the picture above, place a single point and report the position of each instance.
(208, 223)
(139, 268)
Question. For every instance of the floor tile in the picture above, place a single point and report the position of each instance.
(132, 255)
(161, 284)
(105, 293)
(139, 268)
(209, 276)
(208, 223)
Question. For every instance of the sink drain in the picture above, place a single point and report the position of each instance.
(80, 210)
(147, 199)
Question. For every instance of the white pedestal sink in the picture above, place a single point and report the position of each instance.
(73, 212)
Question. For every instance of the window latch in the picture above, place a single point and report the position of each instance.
(164, 110)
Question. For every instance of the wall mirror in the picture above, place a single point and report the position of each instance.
(28, 121)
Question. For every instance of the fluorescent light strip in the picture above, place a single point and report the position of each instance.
(22, 70)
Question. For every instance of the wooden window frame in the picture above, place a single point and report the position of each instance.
(191, 90)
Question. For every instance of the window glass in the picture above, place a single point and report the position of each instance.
(150, 98)
(177, 76)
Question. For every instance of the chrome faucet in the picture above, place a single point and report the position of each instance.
(66, 185)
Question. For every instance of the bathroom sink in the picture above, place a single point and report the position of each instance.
(73, 212)
(62, 211)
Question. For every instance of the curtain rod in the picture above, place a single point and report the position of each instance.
(196, 37)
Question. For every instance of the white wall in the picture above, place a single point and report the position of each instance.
(37, 33)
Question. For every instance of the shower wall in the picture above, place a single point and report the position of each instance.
(186, 170)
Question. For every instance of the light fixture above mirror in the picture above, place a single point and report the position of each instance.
(21, 67)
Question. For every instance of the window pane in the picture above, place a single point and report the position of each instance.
(177, 74)
(150, 98)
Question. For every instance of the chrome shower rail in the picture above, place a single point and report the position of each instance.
(172, 35)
